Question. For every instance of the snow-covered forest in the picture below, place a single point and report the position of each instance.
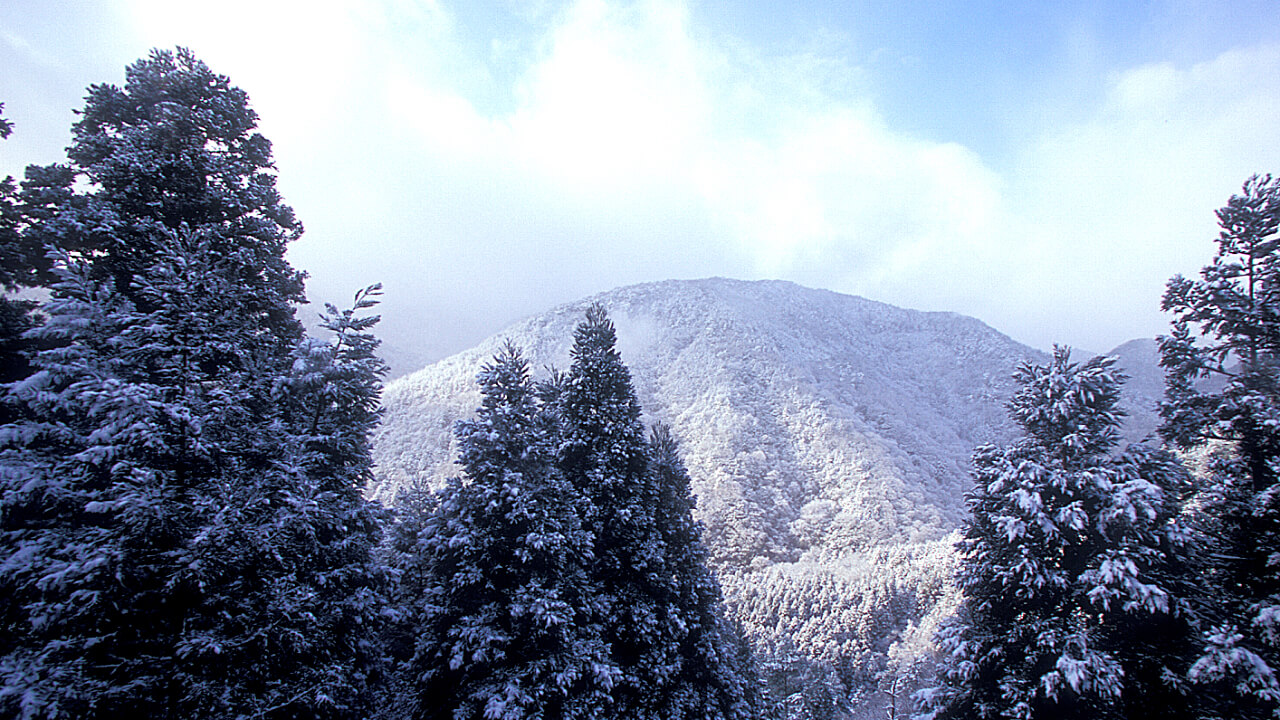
(205, 511)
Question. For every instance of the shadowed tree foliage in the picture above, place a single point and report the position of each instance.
(1070, 566)
(1223, 394)
(714, 674)
(660, 618)
(17, 316)
(507, 617)
(563, 575)
(182, 531)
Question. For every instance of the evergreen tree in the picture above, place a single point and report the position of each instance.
(16, 316)
(1069, 558)
(716, 676)
(181, 527)
(661, 615)
(509, 623)
(1223, 391)
(404, 554)
(174, 148)
(604, 455)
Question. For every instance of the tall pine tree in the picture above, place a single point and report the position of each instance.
(1070, 561)
(508, 622)
(182, 532)
(715, 675)
(602, 452)
(1222, 363)
(661, 617)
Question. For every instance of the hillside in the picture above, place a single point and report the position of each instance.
(811, 421)
(828, 438)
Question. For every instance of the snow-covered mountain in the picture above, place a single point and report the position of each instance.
(1144, 389)
(828, 438)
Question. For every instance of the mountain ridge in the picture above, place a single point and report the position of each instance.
(700, 353)
(828, 439)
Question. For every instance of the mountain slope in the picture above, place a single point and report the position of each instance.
(1139, 360)
(828, 438)
(812, 422)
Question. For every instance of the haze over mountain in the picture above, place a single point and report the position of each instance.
(828, 438)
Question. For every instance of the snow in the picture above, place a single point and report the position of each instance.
(819, 429)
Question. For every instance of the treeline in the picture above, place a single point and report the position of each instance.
(1141, 582)
(182, 527)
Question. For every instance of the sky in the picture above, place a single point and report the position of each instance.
(1044, 167)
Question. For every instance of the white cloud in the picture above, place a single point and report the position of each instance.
(615, 143)
(1117, 204)
(623, 101)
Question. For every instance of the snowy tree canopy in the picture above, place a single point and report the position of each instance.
(506, 623)
(182, 530)
(1068, 610)
(563, 574)
(1223, 401)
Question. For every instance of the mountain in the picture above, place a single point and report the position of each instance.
(828, 438)
(810, 420)
(1144, 388)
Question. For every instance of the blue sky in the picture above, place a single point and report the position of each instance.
(1045, 167)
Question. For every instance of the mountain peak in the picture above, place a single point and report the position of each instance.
(781, 396)
(828, 439)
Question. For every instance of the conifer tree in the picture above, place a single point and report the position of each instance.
(509, 623)
(661, 617)
(603, 453)
(714, 678)
(1068, 566)
(1223, 392)
(174, 149)
(404, 554)
(17, 316)
(182, 532)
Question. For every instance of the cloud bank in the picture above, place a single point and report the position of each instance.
(487, 166)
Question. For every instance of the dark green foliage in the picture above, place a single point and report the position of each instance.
(507, 618)
(1070, 566)
(182, 531)
(16, 316)
(10, 222)
(404, 554)
(1223, 398)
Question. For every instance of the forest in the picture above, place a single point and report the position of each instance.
(184, 529)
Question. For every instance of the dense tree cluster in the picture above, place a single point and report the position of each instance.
(563, 575)
(182, 526)
(1102, 582)
(182, 531)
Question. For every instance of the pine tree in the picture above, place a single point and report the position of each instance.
(17, 316)
(603, 453)
(305, 640)
(716, 676)
(1068, 566)
(563, 575)
(181, 527)
(405, 555)
(174, 149)
(508, 623)
(660, 615)
(1223, 392)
